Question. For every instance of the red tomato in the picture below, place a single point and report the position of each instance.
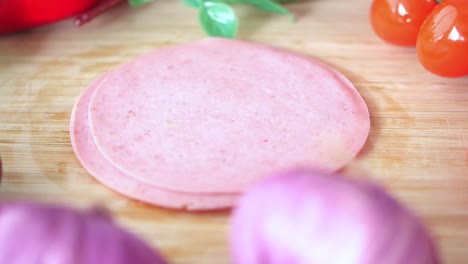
(443, 39)
(398, 21)
(16, 15)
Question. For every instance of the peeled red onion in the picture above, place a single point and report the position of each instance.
(50, 234)
(308, 217)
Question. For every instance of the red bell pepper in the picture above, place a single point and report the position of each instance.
(18, 15)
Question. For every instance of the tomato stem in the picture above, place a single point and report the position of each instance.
(438, 1)
(101, 7)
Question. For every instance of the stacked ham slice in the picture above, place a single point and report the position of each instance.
(192, 126)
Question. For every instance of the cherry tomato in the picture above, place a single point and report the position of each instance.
(398, 21)
(442, 45)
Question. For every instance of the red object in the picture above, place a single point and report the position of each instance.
(18, 15)
(398, 21)
(89, 15)
(443, 40)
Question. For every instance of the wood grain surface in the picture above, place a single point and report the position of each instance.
(417, 147)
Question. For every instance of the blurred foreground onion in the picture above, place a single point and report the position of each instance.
(45, 234)
(307, 217)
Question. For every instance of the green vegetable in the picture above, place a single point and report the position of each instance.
(192, 3)
(135, 3)
(269, 6)
(218, 19)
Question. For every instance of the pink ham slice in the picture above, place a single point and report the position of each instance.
(216, 115)
(103, 171)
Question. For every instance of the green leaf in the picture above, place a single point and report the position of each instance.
(251, 2)
(192, 3)
(269, 6)
(230, 1)
(218, 19)
(136, 3)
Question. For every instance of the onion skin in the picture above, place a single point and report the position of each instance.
(308, 217)
(49, 234)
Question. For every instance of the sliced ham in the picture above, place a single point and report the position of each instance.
(216, 115)
(92, 160)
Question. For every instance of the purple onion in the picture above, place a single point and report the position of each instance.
(49, 234)
(308, 217)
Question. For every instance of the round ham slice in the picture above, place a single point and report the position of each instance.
(92, 160)
(216, 115)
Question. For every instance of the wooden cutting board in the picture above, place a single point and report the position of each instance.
(417, 147)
